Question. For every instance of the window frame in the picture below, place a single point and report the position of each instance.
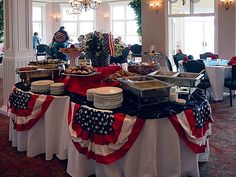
(191, 11)
(191, 14)
(78, 21)
(125, 20)
(43, 21)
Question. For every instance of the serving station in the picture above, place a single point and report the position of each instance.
(106, 121)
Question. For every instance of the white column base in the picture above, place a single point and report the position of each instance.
(3, 110)
(9, 74)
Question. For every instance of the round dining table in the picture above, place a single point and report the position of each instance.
(217, 71)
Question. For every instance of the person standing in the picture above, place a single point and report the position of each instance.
(36, 40)
(59, 40)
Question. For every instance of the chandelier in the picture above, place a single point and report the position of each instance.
(184, 1)
(79, 5)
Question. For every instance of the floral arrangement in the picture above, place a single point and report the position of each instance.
(119, 47)
(97, 43)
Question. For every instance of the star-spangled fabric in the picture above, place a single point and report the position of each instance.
(108, 45)
(194, 137)
(104, 148)
(93, 121)
(26, 108)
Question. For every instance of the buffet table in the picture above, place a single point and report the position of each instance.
(165, 141)
(158, 151)
(49, 135)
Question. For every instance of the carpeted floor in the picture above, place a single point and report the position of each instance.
(1, 93)
(222, 161)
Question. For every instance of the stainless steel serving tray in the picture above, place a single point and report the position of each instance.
(145, 87)
(39, 73)
(181, 79)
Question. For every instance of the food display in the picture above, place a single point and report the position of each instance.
(138, 78)
(47, 64)
(165, 73)
(146, 91)
(82, 69)
(181, 79)
(28, 68)
(120, 74)
(143, 68)
(40, 69)
(149, 85)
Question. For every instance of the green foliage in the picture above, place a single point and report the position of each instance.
(136, 5)
(1, 22)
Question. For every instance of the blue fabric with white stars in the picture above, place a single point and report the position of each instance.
(94, 121)
(197, 102)
(19, 100)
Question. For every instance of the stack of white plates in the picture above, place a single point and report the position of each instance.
(42, 86)
(90, 93)
(108, 97)
(57, 88)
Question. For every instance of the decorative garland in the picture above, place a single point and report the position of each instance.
(136, 5)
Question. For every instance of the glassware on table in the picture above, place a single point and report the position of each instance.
(152, 48)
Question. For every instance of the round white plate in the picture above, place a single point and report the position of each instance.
(108, 90)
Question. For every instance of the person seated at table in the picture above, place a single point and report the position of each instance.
(60, 40)
(232, 61)
(179, 56)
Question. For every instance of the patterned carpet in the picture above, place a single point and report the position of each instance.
(221, 164)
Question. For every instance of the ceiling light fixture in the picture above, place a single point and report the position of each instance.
(79, 5)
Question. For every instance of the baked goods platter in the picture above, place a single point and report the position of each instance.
(82, 70)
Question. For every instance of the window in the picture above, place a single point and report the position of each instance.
(191, 27)
(77, 24)
(38, 20)
(123, 22)
(203, 6)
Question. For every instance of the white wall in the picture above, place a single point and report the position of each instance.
(155, 29)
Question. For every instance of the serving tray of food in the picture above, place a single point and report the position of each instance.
(145, 87)
(181, 79)
(81, 75)
(82, 70)
(47, 64)
(29, 73)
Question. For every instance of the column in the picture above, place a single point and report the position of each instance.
(18, 42)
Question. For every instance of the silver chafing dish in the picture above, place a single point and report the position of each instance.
(146, 89)
(181, 79)
(28, 76)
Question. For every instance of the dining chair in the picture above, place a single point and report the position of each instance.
(178, 57)
(136, 50)
(208, 54)
(41, 51)
(197, 66)
(168, 64)
(231, 83)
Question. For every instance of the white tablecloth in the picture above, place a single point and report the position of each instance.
(216, 75)
(49, 135)
(157, 152)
